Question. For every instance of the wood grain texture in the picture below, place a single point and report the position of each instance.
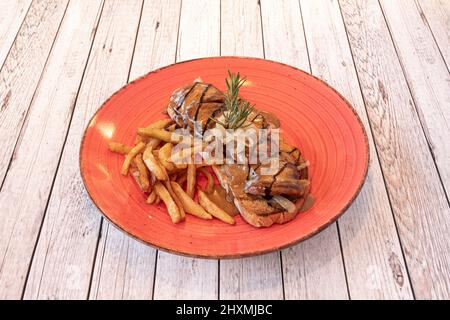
(284, 41)
(241, 30)
(21, 71)
(256, 277)
(13, 14)
(40, 145)
(124, 267)
(436, 13)
(427, 76)
(64, 255)
(417, 196)
(180, 277)
(375, 269)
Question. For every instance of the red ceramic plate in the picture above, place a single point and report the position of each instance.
(313, 117)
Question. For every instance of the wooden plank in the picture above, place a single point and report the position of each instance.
(13, 14)
(180, 277)
(65, 252)
(375, 269)
(124, 267)
(436, 13)
(157, 38)
(32, 170)
(257, 277)
(241, 30)
(427, 76)
(199, 34)
(417, 197)
(20, 73)
(284, 41)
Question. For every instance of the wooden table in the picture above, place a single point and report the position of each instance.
(61, 59)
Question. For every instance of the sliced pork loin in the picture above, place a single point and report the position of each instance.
(196, 103)
(253, 193)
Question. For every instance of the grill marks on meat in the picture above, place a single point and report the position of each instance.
(285, 182)
(195, 103)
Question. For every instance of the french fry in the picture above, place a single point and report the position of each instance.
(176, 199)
(153, 143)
(173, 176)
(159, 124)
(130, 155)
(152, 197)
(143, 174)
(181, 179)
(213, 209)
(138, 139)
(136, 176)
(190, 180)
(208, 175)
(160, 134)
(189, 205)
(164, 155)
(157, 200)
(119, 148)
(172, 207)
(153, 165)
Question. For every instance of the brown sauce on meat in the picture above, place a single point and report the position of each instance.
(220, 197)
(270, 119)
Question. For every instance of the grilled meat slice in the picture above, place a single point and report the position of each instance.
(195, 103)
(252, 192)
(256, 210)
(287, 181)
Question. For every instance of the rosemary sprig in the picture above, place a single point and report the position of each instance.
(236, 109)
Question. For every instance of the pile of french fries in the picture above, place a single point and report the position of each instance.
(151, 165)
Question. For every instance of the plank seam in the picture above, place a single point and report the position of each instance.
(15, 37)
(178, 32)
(25, 120)
(415, 104)
(262, 29)
(59, 160)
(422, 14)
(343, 261)
(377, 154)
(34, 92)
(154, 274)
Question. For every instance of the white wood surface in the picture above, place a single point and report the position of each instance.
(417, 196)
(436, 13)
(284, 41)
(256, 277)
(65, 252)
(125, 268)
(390, 59)
(375, 269)
(21, 71)
(179, 277)
(13, 14)
(40, 144)
(427, 76)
